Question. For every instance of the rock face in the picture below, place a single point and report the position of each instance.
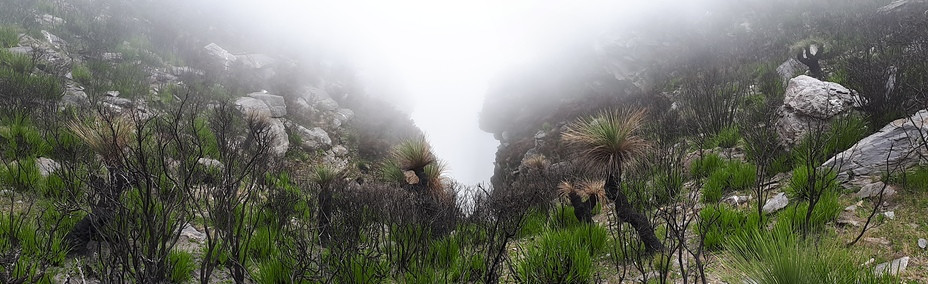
(225, 58)
(895, 144)
(276, 104)
(873, 190)
(790, 68)
(251, 106)
(810, 102)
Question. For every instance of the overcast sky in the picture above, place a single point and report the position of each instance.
(442, 54)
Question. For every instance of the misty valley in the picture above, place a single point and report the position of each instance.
(245, 141)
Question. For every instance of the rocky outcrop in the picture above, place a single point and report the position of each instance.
(276, 104)
(255, 107)
(901, 143)
(809, 103)
(313, 139)
(222, 56)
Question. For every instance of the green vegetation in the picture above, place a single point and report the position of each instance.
(564, 256)
(779, 256)
(182, 266)
(730, 176)
(9, 37)
(705, 165)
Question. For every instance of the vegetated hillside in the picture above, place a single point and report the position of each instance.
(781, 142)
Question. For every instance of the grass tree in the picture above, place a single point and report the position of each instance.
(606, 142)
(414, 155)
(583, 197)
(325, 177)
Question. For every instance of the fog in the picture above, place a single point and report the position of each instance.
(434, 59)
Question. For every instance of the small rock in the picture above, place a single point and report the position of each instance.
(313, 138)
(736, 200)
(873, 190)
(540, 134)
(253, 106)
(326, 104)
(879, 241)
(776, 203)
(210, 163)
(890, 214)
(5, 192)
(922, 243)
(112, 94)
(223, 56)
(46, 166)
(892, 267)
(192, 234)
(49, 20)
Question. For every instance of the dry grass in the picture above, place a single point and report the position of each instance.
(584, 189)
(106, 136)
(413, 153)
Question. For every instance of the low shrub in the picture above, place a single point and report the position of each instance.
(727, 138)
(722, 222)
(705, 165)
(273, 270)
(182, 266)
(915, 180)
(563, 217)
(731, 176)
(534, 223)
(559, 257)
(9, 37)
(826, 210)
(800, 188)
(781, 257)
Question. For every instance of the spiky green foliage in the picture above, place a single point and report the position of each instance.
(182, 266)
(324, 175)
(434, 171)
(9, 37)
(106, 136)
(726, 138)
(390, 171)
(563, 256)
(19, 63)
(826, 210)
(413, 153)
(719, 223)
(779, 256)
(608, 139)
(705, 165)
(801, 188)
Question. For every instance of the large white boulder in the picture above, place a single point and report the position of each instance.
(811, 102)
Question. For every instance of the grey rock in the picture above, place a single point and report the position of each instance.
(111, 94)
(892, 267)
(117, 101)
(280, 142)
(54, 40)
(922, 243)
(49, 20)
(873, 190)
(789, 69)
(811, 102)
(891, 215)
(341, 116)
(257, 61)
(253, 106)
(22, 50)
(186, 71)
(192, 233)
(224, 57)
(314, 94)
(776, 203)
(210, 163)
(74, 95)
(112, 56)
(313, 138)
(276, 104)
(338, 151)
(326, 104)
(737, 200)
(540, 134)
(46, 166)
(870, 155)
